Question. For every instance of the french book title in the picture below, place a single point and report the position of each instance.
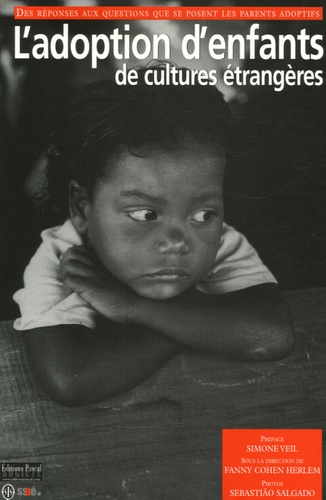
(256, 44)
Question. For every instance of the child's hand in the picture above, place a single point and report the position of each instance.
(80, 273)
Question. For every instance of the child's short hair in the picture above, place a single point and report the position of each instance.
(106, 119)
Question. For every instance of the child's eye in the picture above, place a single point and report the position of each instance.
(143, 215)
(203, 216)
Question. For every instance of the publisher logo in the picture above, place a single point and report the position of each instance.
(28, 492)
(8, 491)
(21, 471)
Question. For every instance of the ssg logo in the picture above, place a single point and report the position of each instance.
(8, 491)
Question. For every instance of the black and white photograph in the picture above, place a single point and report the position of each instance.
(162, 249)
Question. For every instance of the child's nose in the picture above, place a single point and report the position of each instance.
(173, 240)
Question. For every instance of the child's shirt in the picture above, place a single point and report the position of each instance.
(43, 301)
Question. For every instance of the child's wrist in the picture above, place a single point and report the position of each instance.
(139, 306)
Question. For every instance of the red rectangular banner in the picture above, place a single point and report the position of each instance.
(273, 463)
(219, 13)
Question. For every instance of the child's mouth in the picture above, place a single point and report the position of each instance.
(169, 274)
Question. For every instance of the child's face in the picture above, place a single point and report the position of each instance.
(155, 221)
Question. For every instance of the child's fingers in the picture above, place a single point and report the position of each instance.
(77, 254)
(106, 299)
(75, 284)
(87, 288)
(81, 254)
(77, 268)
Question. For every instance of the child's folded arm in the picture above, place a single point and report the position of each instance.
(250, 324)
(76, 365)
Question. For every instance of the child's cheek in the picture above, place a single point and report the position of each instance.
(122, 245)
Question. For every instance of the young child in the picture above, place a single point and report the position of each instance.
(143, 265)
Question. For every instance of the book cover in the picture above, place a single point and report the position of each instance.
(202, 427)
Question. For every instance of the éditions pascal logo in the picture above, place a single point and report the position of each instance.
(22, 471)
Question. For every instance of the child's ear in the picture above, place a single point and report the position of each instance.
(79, 204)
